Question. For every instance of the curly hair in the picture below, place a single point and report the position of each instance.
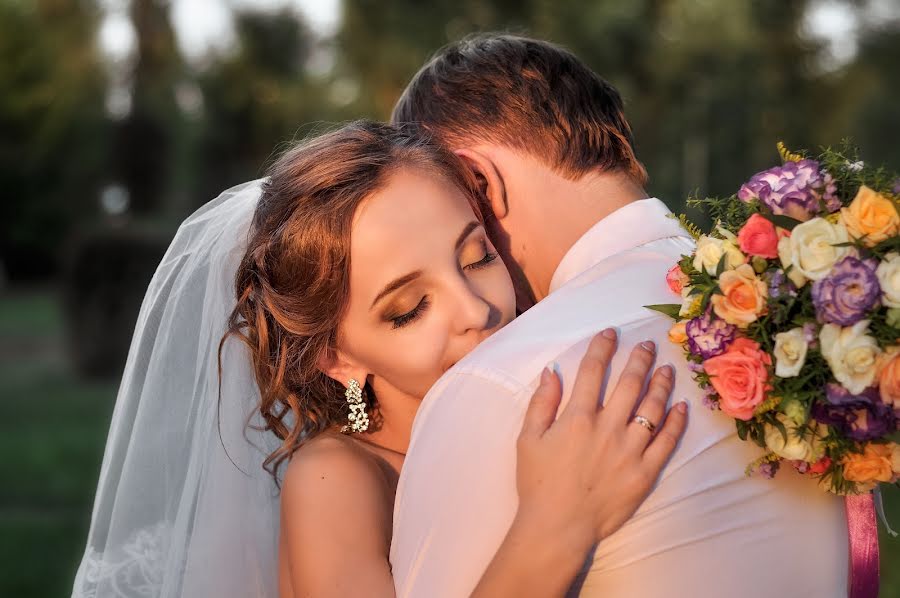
(292, 284)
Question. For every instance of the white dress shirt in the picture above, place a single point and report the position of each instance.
(706, 530)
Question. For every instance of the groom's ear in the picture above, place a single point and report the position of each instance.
(490, 181)
(339, 367)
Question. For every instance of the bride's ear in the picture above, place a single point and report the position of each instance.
(340, 368)
(490, 181)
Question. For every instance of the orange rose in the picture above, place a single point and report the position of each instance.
(743, 296)
(740, 377)
(872, 215)
(889, 379)
(678, 333)
(873, 465)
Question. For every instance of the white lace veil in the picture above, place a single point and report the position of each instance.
(180, 511)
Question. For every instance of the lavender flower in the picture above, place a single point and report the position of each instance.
(780, 285)
(896, 188)
(793, 189)
(710, 400)
(811, 334)
(708, 336)
(859, 417)
(847, 293)
(768, 469)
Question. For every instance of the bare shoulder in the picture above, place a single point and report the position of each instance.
(335, 490)
(330, 468)
(335, 510)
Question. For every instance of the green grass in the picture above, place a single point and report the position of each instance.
(52, 431)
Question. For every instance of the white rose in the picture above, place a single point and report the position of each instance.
(800, 444)
(710, 251)
(813, 250)
(851, 354)
(785, 256)
(688, 303)
(888, 273)
(790, 352)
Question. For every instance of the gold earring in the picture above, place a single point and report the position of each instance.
(359, 419)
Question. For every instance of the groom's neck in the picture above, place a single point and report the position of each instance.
(565, 210)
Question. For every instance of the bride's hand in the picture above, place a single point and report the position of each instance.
(584, 474)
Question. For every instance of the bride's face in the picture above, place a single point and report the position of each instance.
(426, 285)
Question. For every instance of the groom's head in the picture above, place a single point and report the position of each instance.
(535, 124)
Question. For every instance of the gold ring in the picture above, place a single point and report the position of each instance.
(640, 419)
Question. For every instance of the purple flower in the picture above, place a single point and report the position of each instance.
(709, 336)
(769, 469)
(780, 285)
(811, 334)
(710, 402)
(896, 188)
(847, 293)
(793, 189)
(859, 417)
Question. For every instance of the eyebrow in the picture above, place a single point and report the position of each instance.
(408, 278)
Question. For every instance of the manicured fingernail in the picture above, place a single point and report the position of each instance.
(667, 372)
(609, 333)
(682, 407)
(545, 376)
(649, 346)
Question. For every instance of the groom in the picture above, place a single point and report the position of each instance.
(551, 148)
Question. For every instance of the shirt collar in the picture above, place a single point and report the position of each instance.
(632, 225)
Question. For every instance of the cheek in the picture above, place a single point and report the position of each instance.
(411, 360)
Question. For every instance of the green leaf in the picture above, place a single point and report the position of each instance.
(668, 309)
(720, 267)
(785, 222)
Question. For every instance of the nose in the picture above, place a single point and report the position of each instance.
(474, 312)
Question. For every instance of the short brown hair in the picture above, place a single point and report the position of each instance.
(525, 93)
(292, 284)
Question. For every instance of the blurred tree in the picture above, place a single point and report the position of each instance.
(53, 129)
(255, 98)
(144, 139)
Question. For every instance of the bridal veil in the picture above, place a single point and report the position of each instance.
(183, 506)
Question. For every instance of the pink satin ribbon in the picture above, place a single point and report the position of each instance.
(863, 530)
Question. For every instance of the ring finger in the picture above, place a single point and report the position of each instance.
(651, 410)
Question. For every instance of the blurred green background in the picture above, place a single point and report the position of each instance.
(118, 118)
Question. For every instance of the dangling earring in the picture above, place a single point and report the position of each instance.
(359, 419)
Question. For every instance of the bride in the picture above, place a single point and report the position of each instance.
(355, 275)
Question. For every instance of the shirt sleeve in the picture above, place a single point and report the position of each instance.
(457, 492)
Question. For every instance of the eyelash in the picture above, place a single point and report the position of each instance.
(414, 314)
(487, 259)
(411, 315)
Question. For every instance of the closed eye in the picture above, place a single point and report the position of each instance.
(410, 316)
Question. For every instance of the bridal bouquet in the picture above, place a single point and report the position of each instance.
(790, 317)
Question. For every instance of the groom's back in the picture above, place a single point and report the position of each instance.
(706, 529)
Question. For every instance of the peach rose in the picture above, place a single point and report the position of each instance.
(758, 237)
(740, 377)
(743, 296)
(873, 465)
(872, 215)
(889, 378)
(678, 333)
(676, 279)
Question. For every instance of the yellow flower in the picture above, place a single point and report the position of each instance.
(872, 465)
(678, 333)
(872, 215)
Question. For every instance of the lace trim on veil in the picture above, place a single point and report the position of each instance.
(134, 570)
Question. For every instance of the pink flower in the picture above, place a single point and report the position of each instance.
(676, 279)
(758, 237)
(740, 377)
(820, 466)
